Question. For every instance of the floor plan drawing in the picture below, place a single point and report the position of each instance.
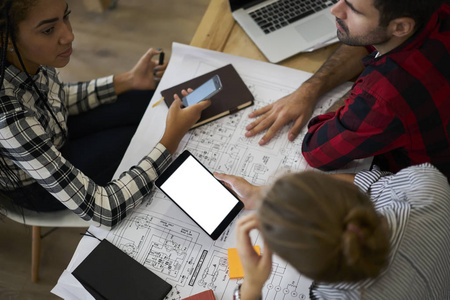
(161, 237)
(170, 245)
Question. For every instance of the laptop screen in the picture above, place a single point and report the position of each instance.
(237, 4)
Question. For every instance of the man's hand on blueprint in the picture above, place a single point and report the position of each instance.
(250, 194)
(297, 107)
(343, 65)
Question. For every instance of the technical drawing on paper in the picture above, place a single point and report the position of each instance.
(164, 240)
(222, 146)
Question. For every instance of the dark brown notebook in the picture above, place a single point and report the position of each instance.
(234, 95)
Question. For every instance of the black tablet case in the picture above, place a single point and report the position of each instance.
(109, 273)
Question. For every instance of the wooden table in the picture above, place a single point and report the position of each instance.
(220, 32)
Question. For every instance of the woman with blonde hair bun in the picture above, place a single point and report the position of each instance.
(325, 227)
(372, 235)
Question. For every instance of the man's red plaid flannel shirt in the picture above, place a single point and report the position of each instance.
(398, 109)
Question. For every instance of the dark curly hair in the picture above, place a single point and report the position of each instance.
(12, 13)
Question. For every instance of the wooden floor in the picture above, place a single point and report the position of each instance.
(105, 44)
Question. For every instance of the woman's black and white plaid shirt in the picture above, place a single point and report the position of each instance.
(30, 139)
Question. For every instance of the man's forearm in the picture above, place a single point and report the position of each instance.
(343, 65)
(339, 103)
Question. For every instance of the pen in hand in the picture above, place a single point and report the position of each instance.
(160, 62)
(161, 58)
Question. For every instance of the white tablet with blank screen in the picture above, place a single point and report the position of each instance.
(199, 194)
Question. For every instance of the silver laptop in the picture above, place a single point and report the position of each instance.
(282, 28)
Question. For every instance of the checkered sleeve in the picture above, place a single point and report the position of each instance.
(106, 206)
(83, 96)
(365, 126)
(26, 144)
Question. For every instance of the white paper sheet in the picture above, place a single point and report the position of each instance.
(162, 237)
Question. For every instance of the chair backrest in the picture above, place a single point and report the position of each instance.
(62, 218)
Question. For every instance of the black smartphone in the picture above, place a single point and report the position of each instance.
(203, 92)
(199, 194)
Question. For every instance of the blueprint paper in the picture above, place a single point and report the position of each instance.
(159, 235)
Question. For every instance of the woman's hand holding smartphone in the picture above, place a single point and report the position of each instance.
(203, 92)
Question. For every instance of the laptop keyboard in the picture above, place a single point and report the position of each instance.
(284, 12)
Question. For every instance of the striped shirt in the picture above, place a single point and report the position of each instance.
(415, 202)
(30, 139)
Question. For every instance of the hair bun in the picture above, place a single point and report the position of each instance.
(364, 240)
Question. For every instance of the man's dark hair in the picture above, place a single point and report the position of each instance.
(419, 10)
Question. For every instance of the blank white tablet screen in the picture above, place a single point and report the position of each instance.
(199, 194)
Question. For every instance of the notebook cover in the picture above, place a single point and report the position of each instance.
(234, 95)
(109, 273)
(206, 295)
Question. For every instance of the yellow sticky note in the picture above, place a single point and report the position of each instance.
(234, 263)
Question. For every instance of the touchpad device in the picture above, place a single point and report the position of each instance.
(199, 194)
(315, 28)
